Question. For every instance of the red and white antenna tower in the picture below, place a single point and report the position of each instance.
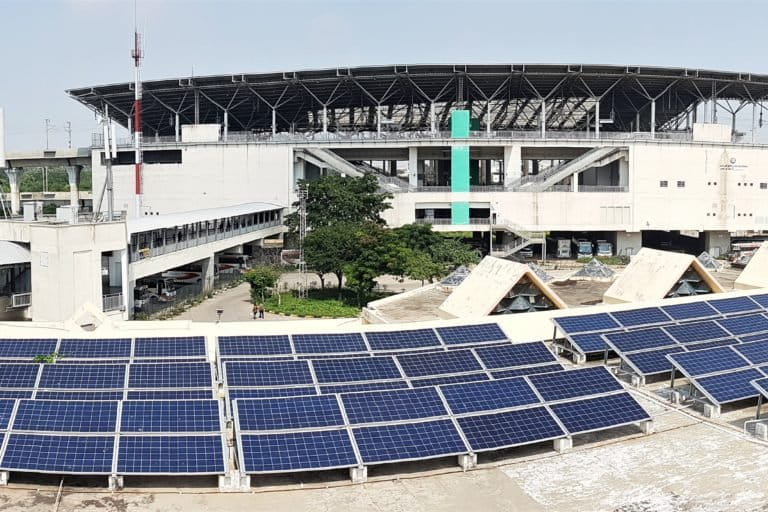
(137, 54)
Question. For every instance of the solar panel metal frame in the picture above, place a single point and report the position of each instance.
(761, 385)
(205, 356)
(558, 323)
(600, 429)
(8, 435)
(224, 452)
(626, 312)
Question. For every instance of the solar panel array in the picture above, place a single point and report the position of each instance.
(310, 433)
(725, 374)
(106, 349)
(584, 333)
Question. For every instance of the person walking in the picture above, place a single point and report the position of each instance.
(255, 311)
(261, 310)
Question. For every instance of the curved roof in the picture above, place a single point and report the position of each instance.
(12, 253)
(412, 97)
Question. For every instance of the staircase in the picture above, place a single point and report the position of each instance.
(328, 159)
(596, 157)
(523, 238)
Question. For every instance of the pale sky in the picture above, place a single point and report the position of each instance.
(48, 46)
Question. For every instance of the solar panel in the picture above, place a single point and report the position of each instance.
(520, 354)
(588, 343)
(734, 305)
(471, 334)
(652, 362)
(95, 348)
(329, 343)
(201, 454)
(690, 311)
(15, 394)
(712, 344)
(175, 394)
(297, 451)
(730, 387)
(235, 393)
(171, 416)
(393, 443)
(506, 429)
(761, 385)
(394, 340)
(99, 396)
(267, 373)
(756, 352)
(305, 412)
(182, 346)
(753, 337)
(451, 379)
(170, 375)
(254, 345)
(641, 316)
(26, 348)
(18, 375)
(697, 331)
(702, 362)
(438, 363)
(395, 405)
(761, 299)
(488, 396)
(586, 323)
(745, 324)
(599, 413)
(82, 376)
(641, 339)
(59, 454)
(529, 370)
(369, 386)
(355, 369)
(6, 408)
(574, 383)
(65, 416)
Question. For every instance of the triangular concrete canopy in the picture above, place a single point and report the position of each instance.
(651, 274)
(488, 284)
(755, 274)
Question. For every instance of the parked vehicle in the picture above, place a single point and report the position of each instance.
(563, 248)
(604, 248)
(239, 261)
(183, 276)
(158, 290)
(585, 249)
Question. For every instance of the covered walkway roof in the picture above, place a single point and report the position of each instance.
(12, 253)
(151, 222)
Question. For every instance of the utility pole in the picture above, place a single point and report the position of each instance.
(48, 128)
(68, 129)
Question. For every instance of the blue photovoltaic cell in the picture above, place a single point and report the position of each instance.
(302, 412)
(58, 453)
(513, 428)
(690, 311)
(295, 451)
(170, 416)
(652, 361)
(95, 348)
(355, 369)
(26, 348)
(369, 386)
(400, 404)
(170, 375)
(394, 340)
(6, 407)
(18, 375)
(598, 413)
(745, 324)
(641, 316)
(171, 455)
(254, 345)
(471, 334)
(439, 363)
(761, 385)
(98, 396)
(520, 354)
(586, 323)
(392, 443)
(753, 337)
(761, 299)
(82, 376)
(756, 352)
(488, 396)
(734, 305)
(267, 373)
(588, 343)
(183, 346)
(64, 416)
(697, 331)
(701, 362)
(174, 394)
(328, 343)
(235, 393)
(15, 394)
(729, 387)
(451, 379)
(573, 383)
(641, 339)
(529, 370)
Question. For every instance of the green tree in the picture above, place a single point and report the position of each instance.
(261, 278)
(418, 237)
(327, 249)
(420, 266)
(450, 253)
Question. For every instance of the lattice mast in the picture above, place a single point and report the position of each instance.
(137, 54)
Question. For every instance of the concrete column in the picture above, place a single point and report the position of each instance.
(226, 125)
(177, 128)
(208, 265)
(413, 167)
(127, 285)
(717, 243)
(325, 119)
(653, 118)
(274, 121)
(73, 174)
(378, 119)
(628, 243)
(597, 118)
(543, 119)
(488, 118)
(197, 106)
(637, 121)
(14, 177)
(432, 124)
(512, 164)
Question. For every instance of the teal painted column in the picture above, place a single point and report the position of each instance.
(460, 166)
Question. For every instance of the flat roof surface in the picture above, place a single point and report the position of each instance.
(150, 222)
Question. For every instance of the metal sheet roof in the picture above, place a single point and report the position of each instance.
(12, 253)
(150, 222)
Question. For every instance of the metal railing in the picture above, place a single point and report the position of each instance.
(603, 188)
(21, 300)
(112, 302)
(446, 222)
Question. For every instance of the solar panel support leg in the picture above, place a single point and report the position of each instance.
(4, 477)
(468, 461)
(358, 475)
(637, 381)
(234, 481)
(579, 358)
(711, 411)
(676, 397)
(115, 483)
(646, 427)
(563, 444)
(761, 431)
